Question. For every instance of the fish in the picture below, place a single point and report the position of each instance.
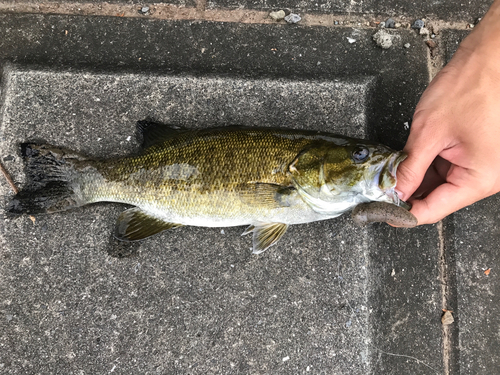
(263, 178)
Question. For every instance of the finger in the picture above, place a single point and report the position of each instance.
(424, 144)
(435, 176)
(411, 172)
(444, 200)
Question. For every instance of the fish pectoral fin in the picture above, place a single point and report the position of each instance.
(265, 235)
(135, 224)
(268, 195)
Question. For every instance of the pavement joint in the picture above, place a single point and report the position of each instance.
(443, 275)
(202, 13)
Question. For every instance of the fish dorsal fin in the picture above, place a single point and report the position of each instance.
(152, 133)
(134, 224)
(265, 235)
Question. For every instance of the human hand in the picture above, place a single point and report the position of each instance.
(454, 143)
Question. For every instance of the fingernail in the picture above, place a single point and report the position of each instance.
(400, 194)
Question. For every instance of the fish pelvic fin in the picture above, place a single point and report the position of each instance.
(265, 235)
(51, 180)
(134, 224)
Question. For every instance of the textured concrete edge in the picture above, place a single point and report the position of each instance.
(5, 69)
(9, 68)
(4, 176)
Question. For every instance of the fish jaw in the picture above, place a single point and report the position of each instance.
(381, 185)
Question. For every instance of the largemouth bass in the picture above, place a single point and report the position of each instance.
(262, 177)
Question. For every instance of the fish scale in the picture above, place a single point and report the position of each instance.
(182, 177)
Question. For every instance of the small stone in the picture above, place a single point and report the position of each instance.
(144, 10)
(430, 43)
(424, 31)
(351, 40)
(381, 25)
(383, 39)
(397, 25)
(407, 45)
(390, 23)
(447, 318)
(418, 24)
(278, 15)
(292, 18)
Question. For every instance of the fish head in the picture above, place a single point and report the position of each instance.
(334, 178)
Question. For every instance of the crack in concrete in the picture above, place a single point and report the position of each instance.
(443, 278)
(201, 13)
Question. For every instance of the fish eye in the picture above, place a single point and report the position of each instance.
(360, 154)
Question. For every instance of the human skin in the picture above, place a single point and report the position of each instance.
(454, 142)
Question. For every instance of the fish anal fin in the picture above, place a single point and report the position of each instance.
(152, 133)
(265, 235)
(134, 224)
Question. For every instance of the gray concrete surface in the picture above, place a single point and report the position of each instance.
(476, 252)
(473, 240)
(95, 114)
(331, 298)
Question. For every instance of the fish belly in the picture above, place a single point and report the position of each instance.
(214, 209)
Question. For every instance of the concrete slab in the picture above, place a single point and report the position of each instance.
(331, 298)
(446, 10)
(264, 304)
(476, 240)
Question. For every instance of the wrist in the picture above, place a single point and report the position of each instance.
(485, 38)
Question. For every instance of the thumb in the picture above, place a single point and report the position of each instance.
(444, 200)
(423, 145)
(411, 171)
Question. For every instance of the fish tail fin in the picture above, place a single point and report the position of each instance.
(51, 180)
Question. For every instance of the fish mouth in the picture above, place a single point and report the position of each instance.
(394, 161)
(387, 179)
